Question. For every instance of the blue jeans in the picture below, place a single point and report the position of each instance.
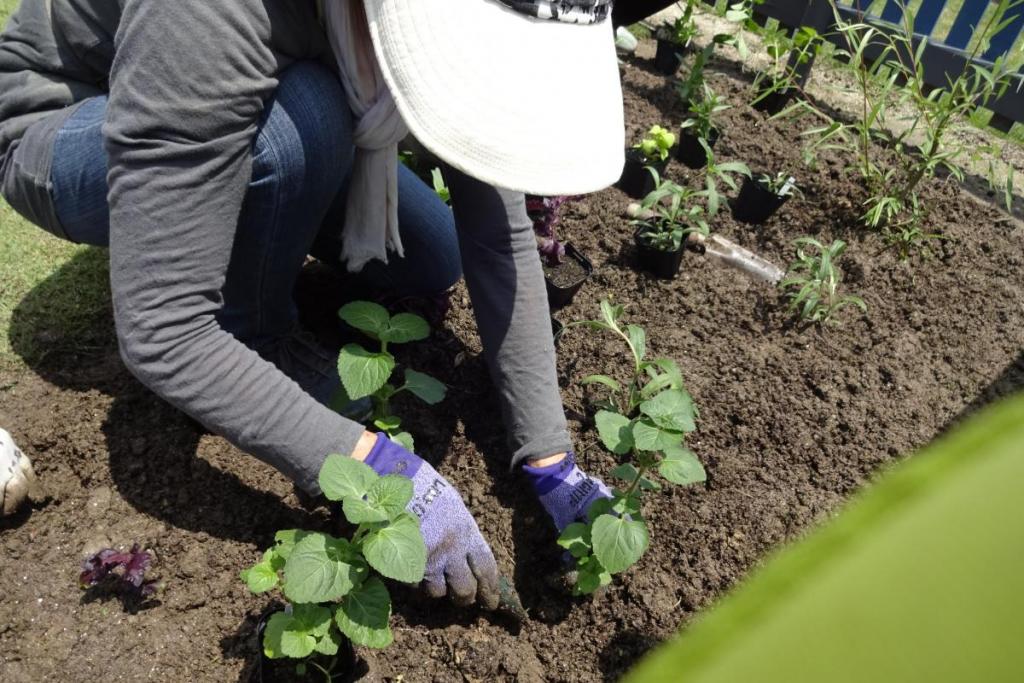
(302, 155)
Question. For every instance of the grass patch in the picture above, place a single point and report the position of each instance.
(52, 293)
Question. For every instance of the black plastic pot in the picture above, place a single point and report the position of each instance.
(636, 180)
(669, 56)
(756, 202)
(347, 666)
(775, 101)
(691, 152)
(562, 295)
(660, 263)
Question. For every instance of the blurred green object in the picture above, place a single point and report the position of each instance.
(921, 578)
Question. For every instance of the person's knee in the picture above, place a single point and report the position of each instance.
(305, 139)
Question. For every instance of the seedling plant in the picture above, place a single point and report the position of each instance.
(919, 122)
(692, 86)
(545, 214)
(674, 213)
(703, 112)
(368, 373)
(781, 184)
(646, 419)
(655, 146)
(812, 285)
(787, 54)
(684, 29)
(715, 173)
(333, 585)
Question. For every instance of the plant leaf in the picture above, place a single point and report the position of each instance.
(618, 542)
(391, 494)
(671, 409)
(366, 316)
(591, 576)
(363, 372)
(602, 379)
(397, 551)
(365, 613)
(322, 568)
(576, 539)
(358, 511)
(638, 340)
(405, 327)
(329, 644)
(614, 430)
(404, 439)
(650, 437)
(425, 387)
(262, 576)
(272, 635)
(285, 541)
(625, 471)
(682, 467)
(342, 477)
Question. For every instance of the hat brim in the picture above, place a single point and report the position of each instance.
(521, 103)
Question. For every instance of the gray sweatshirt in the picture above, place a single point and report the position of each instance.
(187, 80)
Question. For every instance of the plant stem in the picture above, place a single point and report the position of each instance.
(636, 482)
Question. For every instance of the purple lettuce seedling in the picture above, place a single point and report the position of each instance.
(544, 212)
(125, 570)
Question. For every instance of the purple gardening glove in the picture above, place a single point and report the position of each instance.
(565, 490)
(458, 558)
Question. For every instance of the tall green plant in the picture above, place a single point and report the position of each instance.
(898, 107)
(646, 419)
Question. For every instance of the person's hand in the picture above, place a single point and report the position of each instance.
(459, 560)
(565, 491)
(17, 479)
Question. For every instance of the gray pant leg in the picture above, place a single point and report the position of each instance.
(506, 285)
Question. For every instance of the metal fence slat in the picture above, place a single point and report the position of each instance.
(928, 15)
(893, 12)
(965, 24)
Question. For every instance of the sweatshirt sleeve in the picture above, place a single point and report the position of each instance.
(506, 285)
(187, 90)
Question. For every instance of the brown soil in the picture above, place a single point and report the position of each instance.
(565, 274)
(794, 420)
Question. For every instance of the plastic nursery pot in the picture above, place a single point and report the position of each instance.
(658, 262)
(669, 56)
(775, 101)
(756, 202)
(566, 278)
(347, 666)
(691, 152)
(636, 180)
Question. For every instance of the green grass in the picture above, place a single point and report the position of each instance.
(52, 293)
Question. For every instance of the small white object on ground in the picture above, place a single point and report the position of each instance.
(17, 479)
(625, 42)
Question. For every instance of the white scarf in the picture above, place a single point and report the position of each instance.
(371, 212)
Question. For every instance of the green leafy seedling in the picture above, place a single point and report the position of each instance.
(813, 283)
(333, 585)
(655, 146)
(368, 373)
(646, 419)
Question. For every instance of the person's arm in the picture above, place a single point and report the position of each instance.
(506, 285)
(186, 93)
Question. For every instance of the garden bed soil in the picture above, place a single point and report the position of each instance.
(794, 420)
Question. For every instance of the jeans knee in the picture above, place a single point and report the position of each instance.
(305, 137)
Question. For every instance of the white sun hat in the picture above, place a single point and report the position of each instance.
(521, 94)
